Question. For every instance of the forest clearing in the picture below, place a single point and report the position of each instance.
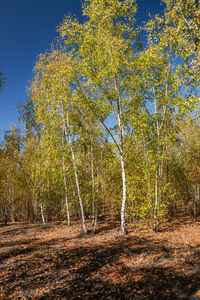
(57, 262)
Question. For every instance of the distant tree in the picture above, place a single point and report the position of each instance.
(11, 175)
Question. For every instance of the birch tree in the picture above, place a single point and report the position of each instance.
(52, 96)
(103, 48)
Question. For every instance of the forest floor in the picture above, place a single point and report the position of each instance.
(57, 262)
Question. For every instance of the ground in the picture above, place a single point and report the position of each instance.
(58, 262)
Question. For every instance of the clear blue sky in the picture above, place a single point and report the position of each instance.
(27, 28)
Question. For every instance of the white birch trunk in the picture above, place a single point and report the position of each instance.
(94, 204)
(155, 225)
(78, 190)
(68, 136)
(157, 175)
(42, 213)
(41, 205)
(62, 206)
(102, 186)
(196, 199)
(75, 198)
(123, 207)
(34, 203)
(148, 169)
(11, 201)
(121, 135)
(65, 185)
(66, 198)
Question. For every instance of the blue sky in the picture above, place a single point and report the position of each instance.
(27, 28)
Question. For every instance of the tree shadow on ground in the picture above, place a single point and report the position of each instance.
(101, 272)
(17, 243)
(173, 224)
(89, 281)
(18, 230)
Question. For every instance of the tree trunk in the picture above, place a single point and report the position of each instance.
(102, 186)
(42, 214)
(75, 199)
(121, 150)
(158, 170)
(196, 200)
(5, 204)
(35, 204)
(65, 185)
(155, 225)
(41, 204)
(68, 136)
(123, 207)
(94, 203)
(78, 190)
(5, 219)
(11, 197)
